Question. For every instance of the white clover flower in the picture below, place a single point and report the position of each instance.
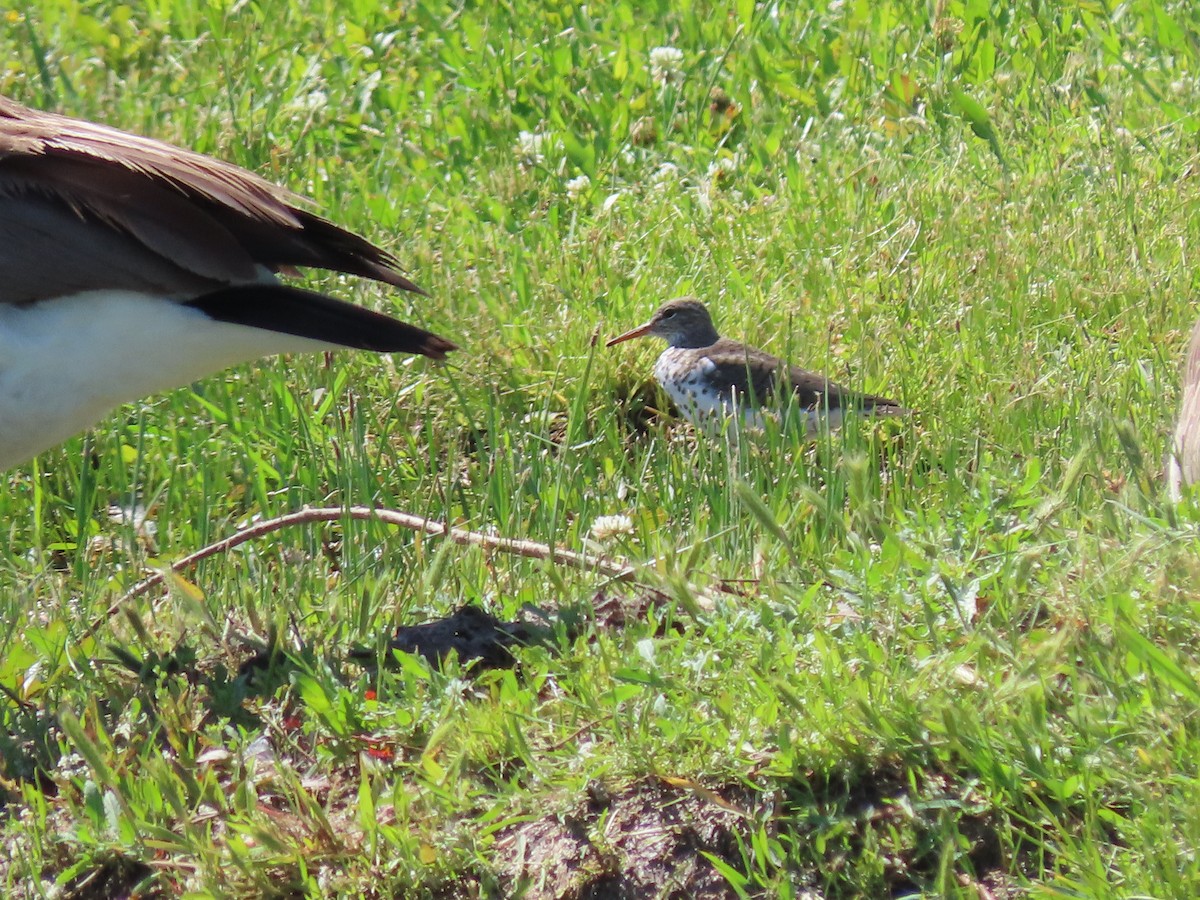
(135, 515)
(664, 173)
(578, 186)
(666, 65)
(606, 527)
(718, 171)
(721, 168)
(531, 147)
(315, 100)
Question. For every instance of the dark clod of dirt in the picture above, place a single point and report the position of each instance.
(485, 642)
(476, 636)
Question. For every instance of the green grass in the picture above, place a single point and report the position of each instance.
(964, 649)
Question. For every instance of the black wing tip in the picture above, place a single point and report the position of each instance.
(342, 250)
(407, 285)
(866, 404)
(308, 314)
(436, 347)
(382, 266)
(394, 336)
(399, 281)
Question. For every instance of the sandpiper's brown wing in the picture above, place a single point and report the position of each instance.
(738, 368)
(816, 391)
(167, 215)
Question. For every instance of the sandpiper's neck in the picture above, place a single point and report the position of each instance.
(695, 337)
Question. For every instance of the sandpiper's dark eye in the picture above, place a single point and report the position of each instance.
(668, 313)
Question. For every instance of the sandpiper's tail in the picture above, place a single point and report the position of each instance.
(882, 406)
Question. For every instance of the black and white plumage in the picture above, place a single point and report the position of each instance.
(129, 266)
(713, 379)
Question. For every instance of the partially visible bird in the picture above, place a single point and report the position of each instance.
(713, 379)
(129, 266)
(1183, 460)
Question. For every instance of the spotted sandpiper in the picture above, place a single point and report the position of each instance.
(712, 379)
(129, 266)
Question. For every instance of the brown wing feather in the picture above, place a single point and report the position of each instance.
(739, 366)
(814, 390)
(106, 175)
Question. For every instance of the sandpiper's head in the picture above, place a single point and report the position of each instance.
(681, 323)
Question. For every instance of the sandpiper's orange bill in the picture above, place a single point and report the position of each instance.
(629, 335)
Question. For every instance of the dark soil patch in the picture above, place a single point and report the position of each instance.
(645, 841)
(116, 879)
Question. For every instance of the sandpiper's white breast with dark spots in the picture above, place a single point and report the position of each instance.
(687, 379)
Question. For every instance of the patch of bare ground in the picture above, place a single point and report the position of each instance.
(656, 839)
(648, 840)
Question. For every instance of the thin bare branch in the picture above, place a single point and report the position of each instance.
(615, 569)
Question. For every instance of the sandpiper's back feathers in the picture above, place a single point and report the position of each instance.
(738, 368)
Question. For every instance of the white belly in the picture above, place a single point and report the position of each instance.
(699, 402)
(65, 363)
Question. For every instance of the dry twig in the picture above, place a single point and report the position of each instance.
(618, 570)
